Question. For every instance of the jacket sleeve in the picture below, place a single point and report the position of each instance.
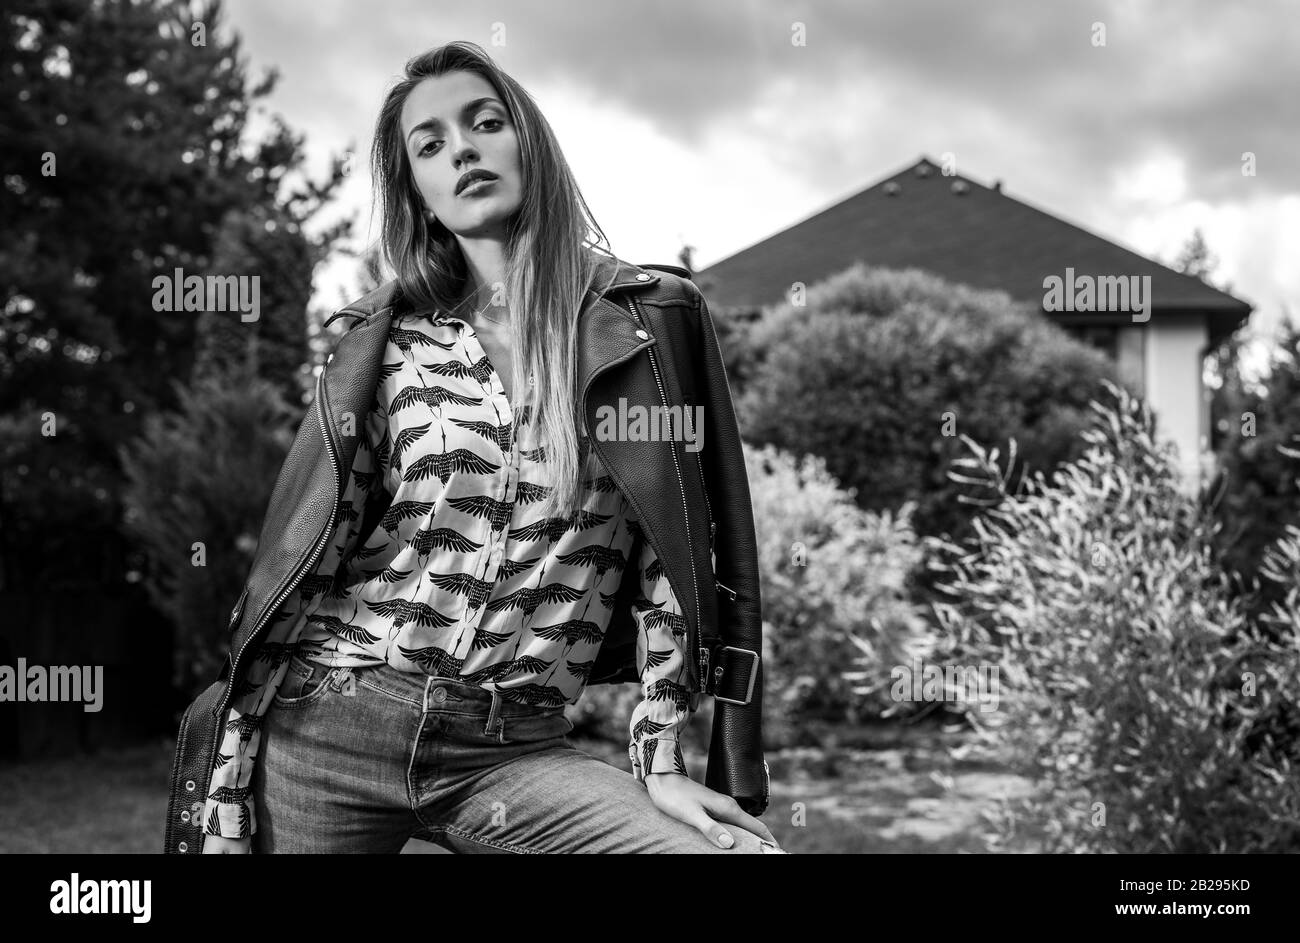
(229, 811)
(663, 713)
(738, 770)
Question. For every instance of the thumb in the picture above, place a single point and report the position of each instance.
(714, 830)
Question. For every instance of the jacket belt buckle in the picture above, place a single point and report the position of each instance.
(719, 672)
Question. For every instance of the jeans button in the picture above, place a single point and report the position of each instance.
(440, 694)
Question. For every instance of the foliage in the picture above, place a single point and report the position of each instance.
(833, 587)
(1156, 715)
(832, 583)
(882, 371)
(199, 482)
(128, 154)
(1254, 496)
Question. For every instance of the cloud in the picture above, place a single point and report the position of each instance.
(1015, 90)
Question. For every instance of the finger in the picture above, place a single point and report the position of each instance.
(712, 829)
(727, 809)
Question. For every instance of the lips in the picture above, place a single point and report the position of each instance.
(474, 176)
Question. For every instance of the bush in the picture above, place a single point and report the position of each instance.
(830, 573)
(1156, 715)
(199, 482)
(864, 374)
(1255, 494)
(832, 579)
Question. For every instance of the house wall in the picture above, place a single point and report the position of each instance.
(1172, 361)
(1130, 356)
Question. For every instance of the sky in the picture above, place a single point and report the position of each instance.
(718, 124)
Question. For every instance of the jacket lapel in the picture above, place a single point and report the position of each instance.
(607, 335)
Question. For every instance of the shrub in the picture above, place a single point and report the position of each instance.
(1156, 715)
(830, 572)
(832, 578)
(199, 481)
(865, 373)
(1255, 494)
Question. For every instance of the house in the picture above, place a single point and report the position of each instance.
(967, 232)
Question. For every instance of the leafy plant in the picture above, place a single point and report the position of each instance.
(833, 585)
(1156, 715)
(198, 483)
(882, 371)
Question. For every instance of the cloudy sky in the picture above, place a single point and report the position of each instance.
(703, 123)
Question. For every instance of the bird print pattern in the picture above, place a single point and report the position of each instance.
(462, 576)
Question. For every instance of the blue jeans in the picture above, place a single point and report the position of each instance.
(362, 759)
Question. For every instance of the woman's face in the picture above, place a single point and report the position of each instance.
(453, 124)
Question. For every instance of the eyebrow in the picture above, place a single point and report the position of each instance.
(467, 108)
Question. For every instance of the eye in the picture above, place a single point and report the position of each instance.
(427, 144)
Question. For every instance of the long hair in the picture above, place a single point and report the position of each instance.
(549, 266)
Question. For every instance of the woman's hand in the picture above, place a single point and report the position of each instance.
(696, 804)
(216, 845)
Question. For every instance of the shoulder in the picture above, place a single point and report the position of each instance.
(674, 288)
(363, 308)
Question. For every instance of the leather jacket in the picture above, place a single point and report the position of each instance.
(645, 339)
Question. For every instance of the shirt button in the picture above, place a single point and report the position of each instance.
(642, 334)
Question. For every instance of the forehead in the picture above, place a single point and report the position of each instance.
(442, 96)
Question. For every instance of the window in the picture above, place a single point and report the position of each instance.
(1105, 337)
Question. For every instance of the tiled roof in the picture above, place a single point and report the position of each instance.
(959, 229)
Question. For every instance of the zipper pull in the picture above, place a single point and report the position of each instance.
(726, 589)
(713, 529)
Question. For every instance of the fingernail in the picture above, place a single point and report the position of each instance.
(725, 840)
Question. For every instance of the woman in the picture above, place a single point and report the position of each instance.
(421, 672)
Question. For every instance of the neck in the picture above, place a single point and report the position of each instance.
(486, 260)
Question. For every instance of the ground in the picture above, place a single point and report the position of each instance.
(884, 789)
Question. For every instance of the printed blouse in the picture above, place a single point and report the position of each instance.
(463, 576)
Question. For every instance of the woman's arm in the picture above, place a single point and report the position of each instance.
(230, 811)
(659, 719)
(736, 766)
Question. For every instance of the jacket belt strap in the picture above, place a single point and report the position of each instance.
(732, 675)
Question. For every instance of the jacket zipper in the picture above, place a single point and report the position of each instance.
(702, 653)
(316, 553)
(713, 526)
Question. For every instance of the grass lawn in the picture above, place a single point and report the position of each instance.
(883, 789)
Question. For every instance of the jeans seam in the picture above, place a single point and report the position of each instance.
(410, 773)
(378, 689)
(496, 715)
(492, 842)
(281, 703)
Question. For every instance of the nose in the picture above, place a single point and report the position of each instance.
(464, 152)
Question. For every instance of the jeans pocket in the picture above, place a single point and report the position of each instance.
(536, 726)
(304, 683)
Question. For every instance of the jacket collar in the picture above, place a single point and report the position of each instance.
(608, 334)
(611, 275)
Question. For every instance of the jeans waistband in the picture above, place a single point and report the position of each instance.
(431, 691)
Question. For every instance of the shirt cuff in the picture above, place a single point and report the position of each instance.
(229, 813)
(656, 755)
